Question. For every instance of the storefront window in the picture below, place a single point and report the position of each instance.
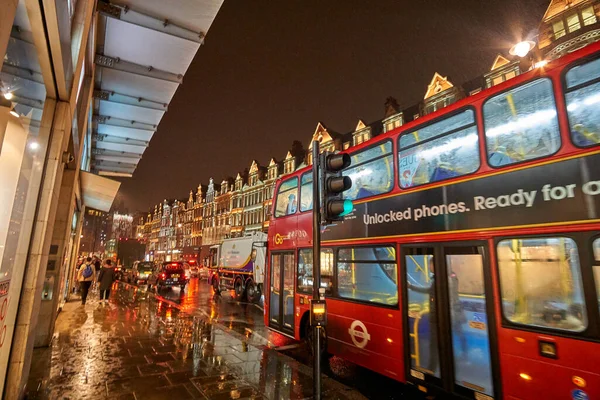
(22, 156)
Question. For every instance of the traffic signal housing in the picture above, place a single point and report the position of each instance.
(333, 184)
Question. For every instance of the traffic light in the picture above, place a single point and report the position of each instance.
(333, 205)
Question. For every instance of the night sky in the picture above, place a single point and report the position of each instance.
(270, 70)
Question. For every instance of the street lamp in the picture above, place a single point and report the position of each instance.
(521, 49)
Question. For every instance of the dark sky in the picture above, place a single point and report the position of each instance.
(270, 70)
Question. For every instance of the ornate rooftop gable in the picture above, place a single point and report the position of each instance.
(438, 84)
(321, 135)
(253, 167)
(499, 62)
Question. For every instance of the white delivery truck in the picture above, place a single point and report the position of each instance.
(241, 266)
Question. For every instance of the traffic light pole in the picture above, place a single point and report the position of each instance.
(316, 269)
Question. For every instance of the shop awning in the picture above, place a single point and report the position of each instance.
(143, 51)
(97, 191)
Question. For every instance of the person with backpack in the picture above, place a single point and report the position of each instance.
(105, 280)
(86, 276)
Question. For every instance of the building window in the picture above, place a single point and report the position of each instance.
(588, 16)
(573, 23)
(558, 28)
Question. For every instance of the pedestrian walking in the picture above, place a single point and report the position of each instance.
(86, 276)
(97, 264)
(105, 280)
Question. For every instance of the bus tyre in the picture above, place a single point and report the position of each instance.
(238, 289)
(252, 291)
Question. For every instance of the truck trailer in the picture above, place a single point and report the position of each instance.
(241, 266)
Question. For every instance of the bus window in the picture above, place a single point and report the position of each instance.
(442, 150)
(371, 171)
(305, 271)
(306, 192)
(596, 246)
(287, 198)
(521, 124)
(368, 274)
(541, 284)
(583, 99)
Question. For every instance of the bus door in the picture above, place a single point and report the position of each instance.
(448, 309)
(281, 292)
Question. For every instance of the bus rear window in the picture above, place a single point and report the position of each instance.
(287, 198)
(583, 101)
(521, 124)
(445, 149)
(541, 283)
(368, 274)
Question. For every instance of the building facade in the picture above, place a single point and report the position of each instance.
(79, 103)
(94, 232)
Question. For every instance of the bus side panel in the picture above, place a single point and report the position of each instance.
(527, 375)
(372, 337)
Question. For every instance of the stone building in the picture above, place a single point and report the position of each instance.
(568, 25)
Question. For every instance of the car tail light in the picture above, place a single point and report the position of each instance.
(163, 275)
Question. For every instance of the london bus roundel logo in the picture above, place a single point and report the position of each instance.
(359, 334)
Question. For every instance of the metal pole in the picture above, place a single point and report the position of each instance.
(316, 268)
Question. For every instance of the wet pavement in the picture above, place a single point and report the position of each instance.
(140, 346)
(248, 320)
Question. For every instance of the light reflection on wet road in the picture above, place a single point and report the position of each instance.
(247, 319)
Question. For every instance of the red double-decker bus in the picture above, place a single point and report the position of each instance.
(471, 261)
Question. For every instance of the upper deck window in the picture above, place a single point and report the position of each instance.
(521, 124)
(583, 100)
(287, 198)
(371, 171)
(306, 192)
(439, 151)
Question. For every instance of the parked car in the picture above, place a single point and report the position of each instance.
(140, 272)
(168, 274)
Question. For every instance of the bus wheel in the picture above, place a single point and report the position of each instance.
(252, 291)
(238, 289)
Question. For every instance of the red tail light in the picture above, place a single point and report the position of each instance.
(163, 275)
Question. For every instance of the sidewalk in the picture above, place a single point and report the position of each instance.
(138, 347)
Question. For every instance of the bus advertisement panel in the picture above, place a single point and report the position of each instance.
(553, 193)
